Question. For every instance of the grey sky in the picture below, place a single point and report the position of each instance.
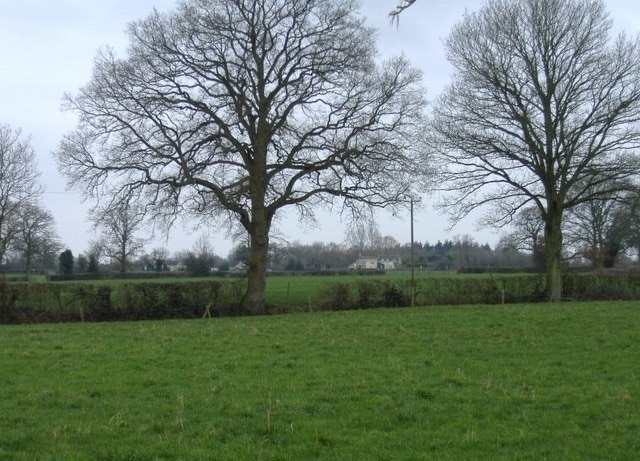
(47, 48)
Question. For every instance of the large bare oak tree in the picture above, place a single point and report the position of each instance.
(543, 111)
(235, 109)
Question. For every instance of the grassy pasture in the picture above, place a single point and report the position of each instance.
(503, 382)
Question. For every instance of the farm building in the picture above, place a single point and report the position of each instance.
(371, 263)
(364, 263)
(389, 263)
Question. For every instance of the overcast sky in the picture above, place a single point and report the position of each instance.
(47, 48)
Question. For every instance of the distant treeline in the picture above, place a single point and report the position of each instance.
(449, 255)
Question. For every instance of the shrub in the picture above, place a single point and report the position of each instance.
(336, 296)
(367, 293)
(601, 287)
(362, 294)
(93, 303)
(392, 296)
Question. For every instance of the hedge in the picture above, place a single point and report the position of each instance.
(460, 290)
(72, 302)
(50, 302)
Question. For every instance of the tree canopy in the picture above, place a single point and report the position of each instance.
(543, 111)
(231, 110)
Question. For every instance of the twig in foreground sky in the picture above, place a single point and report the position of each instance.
(403, 5)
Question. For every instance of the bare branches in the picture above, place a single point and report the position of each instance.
(120, 224)
(541, 104)
(19, 185)
(543, 110)
(242, 108)
(231, 95)
(36, 234)
(403, 5)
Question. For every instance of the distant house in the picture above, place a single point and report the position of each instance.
(390, 263)
(239, 267)
(364, 263)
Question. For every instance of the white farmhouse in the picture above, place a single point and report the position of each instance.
(364, 263)
(390, 263)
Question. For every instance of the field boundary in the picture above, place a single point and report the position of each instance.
(35, 302)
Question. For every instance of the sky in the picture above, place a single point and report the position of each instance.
(47, 49)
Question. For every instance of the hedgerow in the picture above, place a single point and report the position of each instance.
(51, 302)
(23, 302)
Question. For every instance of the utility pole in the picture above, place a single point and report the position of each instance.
(413, 263)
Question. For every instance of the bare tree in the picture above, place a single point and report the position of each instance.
(48, 253)
(119, 224)
(18, 183)
(388, 243)
(201, 259)
(235, 109)
(36, 234)
(159, 258)
(94, 254)
(624, 222)
(543, 111)
(363, 234)
(595, 229)
(528, 229)
(527, 235)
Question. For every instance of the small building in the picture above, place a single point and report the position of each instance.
(389, 263)
(239, 267)
(364, 263)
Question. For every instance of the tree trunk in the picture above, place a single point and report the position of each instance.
(29, 263)
(123, 257)
(252, 302)
(553, 252)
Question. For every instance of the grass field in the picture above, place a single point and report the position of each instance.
(528, 382)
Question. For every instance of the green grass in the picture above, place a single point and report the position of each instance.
(523, 382)
(304, 290)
